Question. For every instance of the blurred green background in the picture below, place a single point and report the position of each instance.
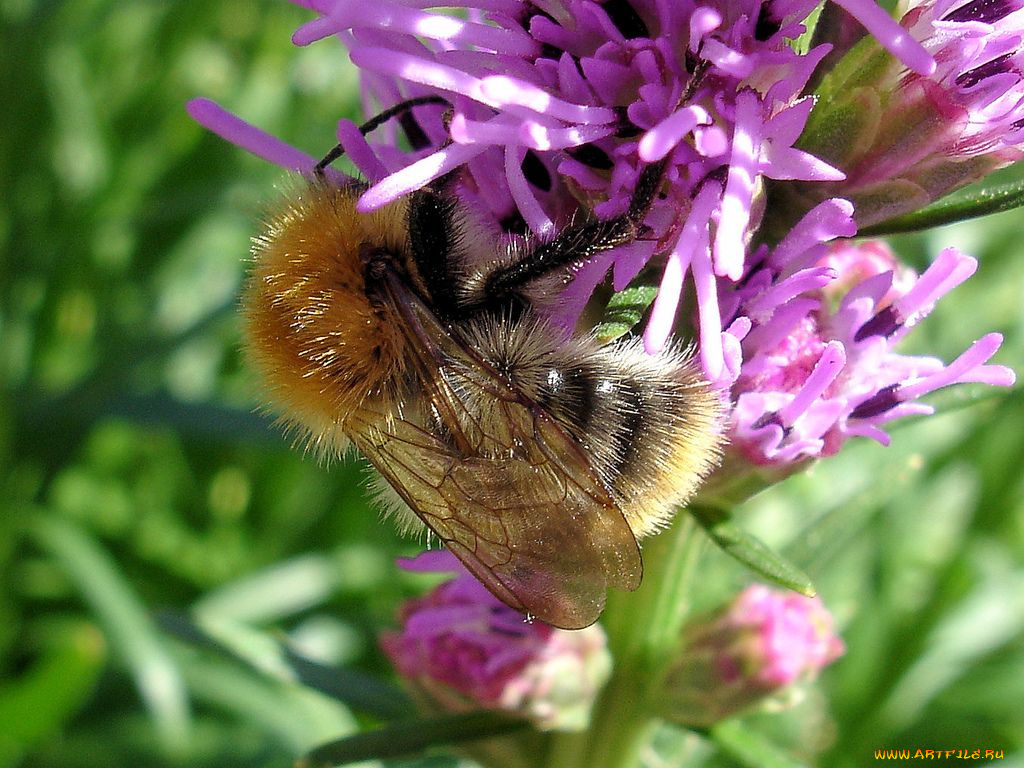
(136, 476)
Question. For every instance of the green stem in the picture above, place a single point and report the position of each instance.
(643, 629)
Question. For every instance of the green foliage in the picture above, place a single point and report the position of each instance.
(624, 310)
(411, 737)
(769, 565)
(136, 475)
(981, 199)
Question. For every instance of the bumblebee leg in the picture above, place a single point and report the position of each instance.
(434, 235)
(403, 110)
(582, 241)
(579, 242)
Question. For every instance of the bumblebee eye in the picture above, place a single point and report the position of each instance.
(376, 269)
(376, 263)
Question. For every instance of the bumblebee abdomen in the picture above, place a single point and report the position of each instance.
(670, 436)
(650, 426)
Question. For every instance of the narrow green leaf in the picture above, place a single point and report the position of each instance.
(957, 207)
(41, 700)
(802, 44)
(359, 691)
(297, 718)
(752, 552)
(410, 737)
(750, 748)
(125, 621)
(624, 311)
(256, 650)
(278, 591)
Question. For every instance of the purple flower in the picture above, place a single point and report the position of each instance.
(756, 649)
(558, 106)
(567, 101)
(979, 48)
(459, 648)
(817, 348)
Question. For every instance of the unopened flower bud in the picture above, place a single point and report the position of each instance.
(906, 138)
(460, 649)
(753, 652)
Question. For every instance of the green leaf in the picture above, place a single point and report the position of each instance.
(802, 44)
(280, 590)
(959, 207)
(410, 737)
(624, 311)
(751, 551)
(40, 701)
(256, 650)
(295, 717)
(359, 691)
(750, 748)
(125, 621)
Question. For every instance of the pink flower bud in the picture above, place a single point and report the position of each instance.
(756, 649)
(460, 649)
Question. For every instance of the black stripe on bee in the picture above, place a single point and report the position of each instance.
(567, 393)
(626, 405)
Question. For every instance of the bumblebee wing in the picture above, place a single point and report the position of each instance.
(532, 521)
(535, 538)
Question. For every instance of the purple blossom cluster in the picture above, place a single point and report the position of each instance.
(462, 649)
(978, 47)
(904, 138)
(557, 106)
(819, 366)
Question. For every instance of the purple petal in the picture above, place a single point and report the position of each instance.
(734, 214)
(215, 118)
(663, 137)
(711, 353)
(703, 22)
(500, 130)
(826, 221)
(826, 370)
(544, 138)
(949, 270)
(663, 313)
(359, 151)
(969, 367)
(533, 214)
(727, 59)
(501, 91)
(891, 35)
(787, 163)
(394, 17)
(417, 175)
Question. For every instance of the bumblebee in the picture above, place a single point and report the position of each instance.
(414, 334)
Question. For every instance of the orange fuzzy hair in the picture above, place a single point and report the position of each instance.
(311, 330)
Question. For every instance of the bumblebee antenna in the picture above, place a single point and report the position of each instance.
(401, 108)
